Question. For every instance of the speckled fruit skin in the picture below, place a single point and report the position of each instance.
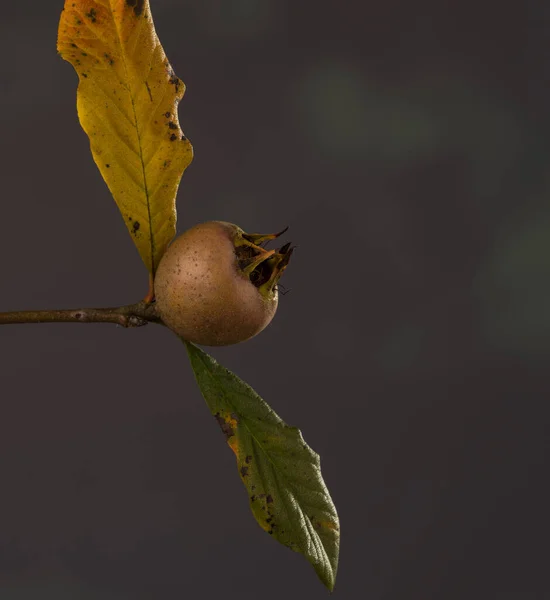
(202, 295)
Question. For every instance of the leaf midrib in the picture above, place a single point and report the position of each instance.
(140, 153)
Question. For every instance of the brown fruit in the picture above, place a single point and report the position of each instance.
(216, 285)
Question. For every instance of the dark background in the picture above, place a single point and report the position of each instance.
(407, 146)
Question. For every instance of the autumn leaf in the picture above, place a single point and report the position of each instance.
(281, 473)
(127, 104)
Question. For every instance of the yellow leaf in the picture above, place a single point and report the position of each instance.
(127, 104)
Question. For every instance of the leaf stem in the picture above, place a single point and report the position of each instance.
(131, 315)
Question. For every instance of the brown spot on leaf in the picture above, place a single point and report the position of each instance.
(173, 137)
(172, 125)
(269, 499)
(167, 115)
(92, 15)
(174, 80)
(244, 471)
(248, 459)
(136, 226)
(224, 426)
(137, 5)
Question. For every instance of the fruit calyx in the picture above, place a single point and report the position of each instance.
(263, 267)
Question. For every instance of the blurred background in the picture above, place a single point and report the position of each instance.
(407, 146)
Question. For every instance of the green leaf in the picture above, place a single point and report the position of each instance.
(281, 473)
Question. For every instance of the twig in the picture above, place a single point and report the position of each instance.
(132, 315)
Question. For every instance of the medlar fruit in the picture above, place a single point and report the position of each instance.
(216, 285)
